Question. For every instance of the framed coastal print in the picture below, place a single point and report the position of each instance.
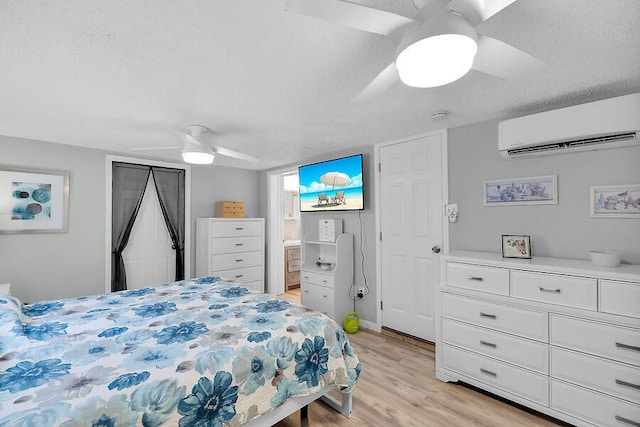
(33, 201)
(615, 201)
(535, 190)
(516, 246)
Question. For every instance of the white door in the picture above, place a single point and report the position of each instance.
(148, 258)
(411, 222)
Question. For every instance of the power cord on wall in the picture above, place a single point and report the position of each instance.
(358, 294)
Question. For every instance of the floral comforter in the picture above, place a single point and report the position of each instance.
(200, 352)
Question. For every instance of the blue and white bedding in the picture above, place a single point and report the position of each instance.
(200, 352)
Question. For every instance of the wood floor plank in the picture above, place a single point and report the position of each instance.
(398, 388)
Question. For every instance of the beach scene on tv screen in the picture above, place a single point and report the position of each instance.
(332, 185)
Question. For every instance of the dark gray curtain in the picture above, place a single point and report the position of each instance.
(128, 184)
(170, 188)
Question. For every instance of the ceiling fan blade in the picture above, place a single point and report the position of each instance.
(350, 14)
(503, 60)
(153, 148)
(383, 81)
(230, 153)
(476, 11)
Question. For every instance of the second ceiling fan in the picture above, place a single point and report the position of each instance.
(436, 46)
(197, 148)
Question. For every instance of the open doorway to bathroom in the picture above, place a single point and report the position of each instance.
(291, 228)
(284, 232)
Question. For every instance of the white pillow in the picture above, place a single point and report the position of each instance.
(5, 288)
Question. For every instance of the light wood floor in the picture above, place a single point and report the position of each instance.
(398, 388)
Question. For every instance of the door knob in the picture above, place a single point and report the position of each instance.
(436, 249)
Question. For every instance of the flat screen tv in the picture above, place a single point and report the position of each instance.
(334, 185)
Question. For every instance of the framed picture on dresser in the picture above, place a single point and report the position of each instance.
(516, 246)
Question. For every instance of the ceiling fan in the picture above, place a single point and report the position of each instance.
(198, 150)
(435, 47)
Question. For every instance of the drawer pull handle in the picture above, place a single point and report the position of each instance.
(324, 296)
(239, 260)
(239, 228)
(555, 290)
(490, 316)
(627, 346)
(479, 279)
(239, 244)
(239, 276)
(628, 384)
(488, 344)
(306, 292)
(306, 277)
(490, 373)
(627, 420)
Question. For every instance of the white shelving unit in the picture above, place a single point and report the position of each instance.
(327, 291)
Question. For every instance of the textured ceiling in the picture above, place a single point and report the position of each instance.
(124, 74)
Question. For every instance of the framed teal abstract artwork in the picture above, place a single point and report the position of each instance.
(33, 201)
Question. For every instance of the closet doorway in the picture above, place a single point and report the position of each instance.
(149, 256)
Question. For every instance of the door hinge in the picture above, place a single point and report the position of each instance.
(380, 305)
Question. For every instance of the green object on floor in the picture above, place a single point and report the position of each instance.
(351, 322)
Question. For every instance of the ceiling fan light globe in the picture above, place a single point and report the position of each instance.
(197, 157)
(436, 60)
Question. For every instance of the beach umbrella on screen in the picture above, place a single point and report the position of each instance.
(335, 178)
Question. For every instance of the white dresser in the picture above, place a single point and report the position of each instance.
(559, 336)
(231, 248)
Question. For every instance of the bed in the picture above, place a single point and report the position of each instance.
(200, 352)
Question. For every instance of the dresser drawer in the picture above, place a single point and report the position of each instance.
(526, 323)
(247, 274)
(317, 297)
(620, 298)
(293, 253)
(509, 378)
(293, 265)
(601, 339)
(614, 378)
(316, 278)
(236, 244)
(519, 351)
(494, 280)
(293, 278)
(570, 291)
(236, 260)
(592, 407)
(236, 228)
(256, 285)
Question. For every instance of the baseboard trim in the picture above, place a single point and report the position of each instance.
(409, 339)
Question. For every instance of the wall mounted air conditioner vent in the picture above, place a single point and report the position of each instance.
(586, 144)
(610, 123)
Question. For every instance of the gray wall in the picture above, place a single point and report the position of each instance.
(564, 230)
(58, 265)
(61, 265)
(350, 224)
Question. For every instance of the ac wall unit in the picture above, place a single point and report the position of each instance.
(610, 123)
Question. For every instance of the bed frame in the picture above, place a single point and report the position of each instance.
(302, 404)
